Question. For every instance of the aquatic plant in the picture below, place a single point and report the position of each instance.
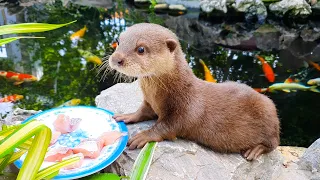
(32, 137)
(26, 28)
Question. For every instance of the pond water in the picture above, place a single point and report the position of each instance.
(228, 48)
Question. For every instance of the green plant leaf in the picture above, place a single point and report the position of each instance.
(102, 176)
(16, 156)
(10, 39)
(142, 164)
(5, 161)
(52, 175)
(38, 149)
(30, 27)
(48, 171)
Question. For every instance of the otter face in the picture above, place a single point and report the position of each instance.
(144, 50)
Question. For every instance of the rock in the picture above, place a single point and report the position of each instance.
(310, 160)
(252, 8)
(161, 8)
(267, 38)
(187, 29)
(142, 3)
(296, 7)
(94, 3)
(210, 5)
(195, 4)
(191, 161)
(176, 9)
(309, 34)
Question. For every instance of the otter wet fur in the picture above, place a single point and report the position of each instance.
(226, 117)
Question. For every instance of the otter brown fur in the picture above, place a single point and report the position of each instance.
(226, 117)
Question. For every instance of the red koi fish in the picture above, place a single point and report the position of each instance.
(12, 98)
(268, 72)
(18, 77)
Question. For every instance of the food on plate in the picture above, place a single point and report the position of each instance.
(54, 137)
(65, 124)
(89, 148)
(110, 137)
(56, 154)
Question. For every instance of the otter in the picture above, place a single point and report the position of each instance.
(227, 117)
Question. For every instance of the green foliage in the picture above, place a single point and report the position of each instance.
(39, 135)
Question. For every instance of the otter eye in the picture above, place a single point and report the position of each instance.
(141, 50)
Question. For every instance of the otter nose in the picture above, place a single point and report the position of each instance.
(118, 60)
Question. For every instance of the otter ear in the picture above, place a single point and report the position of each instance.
(171, 44)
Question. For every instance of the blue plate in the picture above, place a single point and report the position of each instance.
(94, 122)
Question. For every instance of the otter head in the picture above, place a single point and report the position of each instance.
(145, 50)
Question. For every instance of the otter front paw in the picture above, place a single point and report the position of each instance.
(127, 118)
(140, 139)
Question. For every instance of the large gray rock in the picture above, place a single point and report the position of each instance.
(310, 160)
(267, 37)
(182, 159)
(210, 5)
(297, 7)
(252, 8)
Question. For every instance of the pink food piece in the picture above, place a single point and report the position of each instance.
(108, 138)
(65, 124)
(56, 154)
(89, 148)
(54, 137)
(74, 165)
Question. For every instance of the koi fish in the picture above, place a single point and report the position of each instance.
(80, 33)
(207, 74)
(268, 72)
(315, 81)
(261, 90)
(90, 57)
(72, 102)
(12, 98)
(287, 87)
(291, 80)
(315, 65)
(18, 77)
(114, 45)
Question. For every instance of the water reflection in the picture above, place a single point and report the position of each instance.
(64, 74)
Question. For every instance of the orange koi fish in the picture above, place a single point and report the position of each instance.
(18, 77)
(79, 33)
(114, 45)
(291, 80)
(268, 72)
(11, 98)
(207, 74)
(315, 65)
(261, 90)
